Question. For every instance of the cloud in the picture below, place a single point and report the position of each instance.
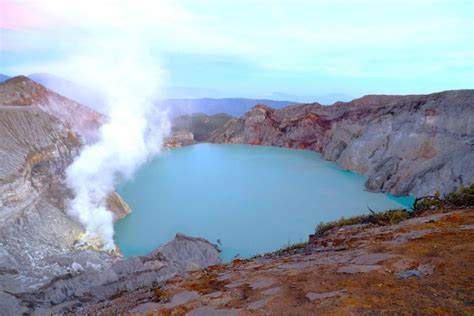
(346, 39)
(17, 16)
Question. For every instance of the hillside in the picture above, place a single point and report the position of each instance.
(421, 265)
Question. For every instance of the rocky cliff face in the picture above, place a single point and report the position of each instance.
(43, 261)
(406, 145)
(37, 238)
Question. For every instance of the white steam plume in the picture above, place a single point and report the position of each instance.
(133, 133)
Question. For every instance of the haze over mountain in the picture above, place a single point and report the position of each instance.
(4, 77)
(72, 90)
(325, 99)
(186, 101)
(231, 106)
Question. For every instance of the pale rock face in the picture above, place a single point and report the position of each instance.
(118, 206)
(405, 145)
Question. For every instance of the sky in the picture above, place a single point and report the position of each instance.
(277, 49)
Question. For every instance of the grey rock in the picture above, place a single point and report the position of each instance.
(215, 294)
(296, 265)
(358, 268)
(271, 291)
(423, 270)
(235, 284)
(258, 304)
(321, 296)
(467, 227)
(9, 305)
(404, 237)
(212, 311)
(146, 308)
(262, 283)
(409, 274)
(372, 258)
(226, 276)
(188, 253)
(182, 298)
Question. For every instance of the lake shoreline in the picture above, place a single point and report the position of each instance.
(258, 185)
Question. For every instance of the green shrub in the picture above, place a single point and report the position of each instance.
(464, 197)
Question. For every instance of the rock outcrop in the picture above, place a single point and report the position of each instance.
(179, 138)
(88, 283)
(406, 145)
(118, 206)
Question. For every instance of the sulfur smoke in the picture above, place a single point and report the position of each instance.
(132, 134)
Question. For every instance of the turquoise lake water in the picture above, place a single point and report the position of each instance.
(252, 199)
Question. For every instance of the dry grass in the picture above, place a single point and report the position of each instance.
(376, 218)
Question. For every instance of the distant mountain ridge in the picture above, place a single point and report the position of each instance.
(325, 99)
(177, 106)
(182, 105)
(210, 106)
(4, 77)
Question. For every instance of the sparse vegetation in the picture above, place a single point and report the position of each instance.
(285, 249)
(289, 247)
(376, 218)
(464, 197)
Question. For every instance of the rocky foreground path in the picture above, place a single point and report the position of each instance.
(422, 265)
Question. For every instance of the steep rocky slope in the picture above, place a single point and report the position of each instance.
(22, 91)
(406, 145)
(43, 261)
